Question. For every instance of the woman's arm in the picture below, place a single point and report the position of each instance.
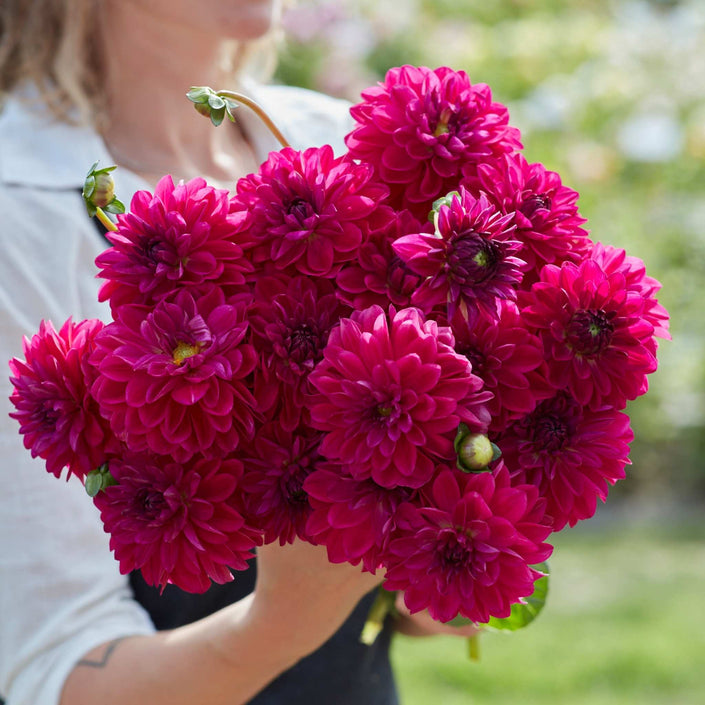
(300, 600)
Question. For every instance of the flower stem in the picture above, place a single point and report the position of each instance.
(259, 111)
(474, 647)
(104, 219)
(381, 607)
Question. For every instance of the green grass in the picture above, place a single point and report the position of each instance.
(624, 623)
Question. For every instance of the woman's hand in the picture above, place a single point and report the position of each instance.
(307, 596)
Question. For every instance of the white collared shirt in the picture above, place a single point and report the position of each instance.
(61, 593)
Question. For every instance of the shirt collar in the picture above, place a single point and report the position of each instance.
(36, 150)
(39, 151)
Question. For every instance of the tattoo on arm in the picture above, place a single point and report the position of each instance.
(101, 660)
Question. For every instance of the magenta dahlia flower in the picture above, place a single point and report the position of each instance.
(470, 553)
(379, 276)
(572, 454)
(507, 357)
(59, 420)
(173, 380)
(612, 259)
(353, 518)
(598, 344)
(545, 211)
(176, 523)
(183, 236)
(277, 464)
(290, 323)
(420, 127)
(308, 212)
(469, 261)
(391, 392)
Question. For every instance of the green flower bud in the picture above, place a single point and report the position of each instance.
(211, 104)
(475, 451)
(104, 191)
(446, 200)
(99, 191)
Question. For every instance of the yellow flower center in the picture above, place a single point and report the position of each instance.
(183, 351)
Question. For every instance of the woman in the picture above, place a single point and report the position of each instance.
(88, 80)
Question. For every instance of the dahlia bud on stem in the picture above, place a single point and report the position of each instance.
(475, 450)
(99, 195)
(217, 104)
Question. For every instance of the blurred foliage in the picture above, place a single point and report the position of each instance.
(611, 94)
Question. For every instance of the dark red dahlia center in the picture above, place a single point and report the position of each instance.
(387, 412)
(303, 344)
(152, 250)
(300, 209)
(292, 481)
(550, 433)
(46, 416)
(472, 259)
(589, 332)
(535, 202)
(476, 357)
(400, 278)
(149, 503)
(454, 552)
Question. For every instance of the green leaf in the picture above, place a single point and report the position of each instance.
(216, 102)
(115, 206)
(199, 94)
(98, 479)
(523, 613)
(93, 483)
(217, 116)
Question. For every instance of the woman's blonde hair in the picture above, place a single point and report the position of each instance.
(56, 44)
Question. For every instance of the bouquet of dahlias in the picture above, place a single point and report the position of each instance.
(413, 354)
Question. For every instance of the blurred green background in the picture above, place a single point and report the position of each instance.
(611, 94)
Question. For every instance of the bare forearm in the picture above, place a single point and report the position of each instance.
(228, 657)
(223, 659)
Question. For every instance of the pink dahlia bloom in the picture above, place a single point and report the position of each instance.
(277, 464)
(379, 276)
(612, 259)
(59, 420)
(176, 523)
(470, 552)
(545, 211)
(391, 392)
(353, 518)
(183, 236)
(308, 212)
(571, 453)
(598, 343)
(290, 322)
(507, 357)
(173, 380)
(469, 261)
(420, 127)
